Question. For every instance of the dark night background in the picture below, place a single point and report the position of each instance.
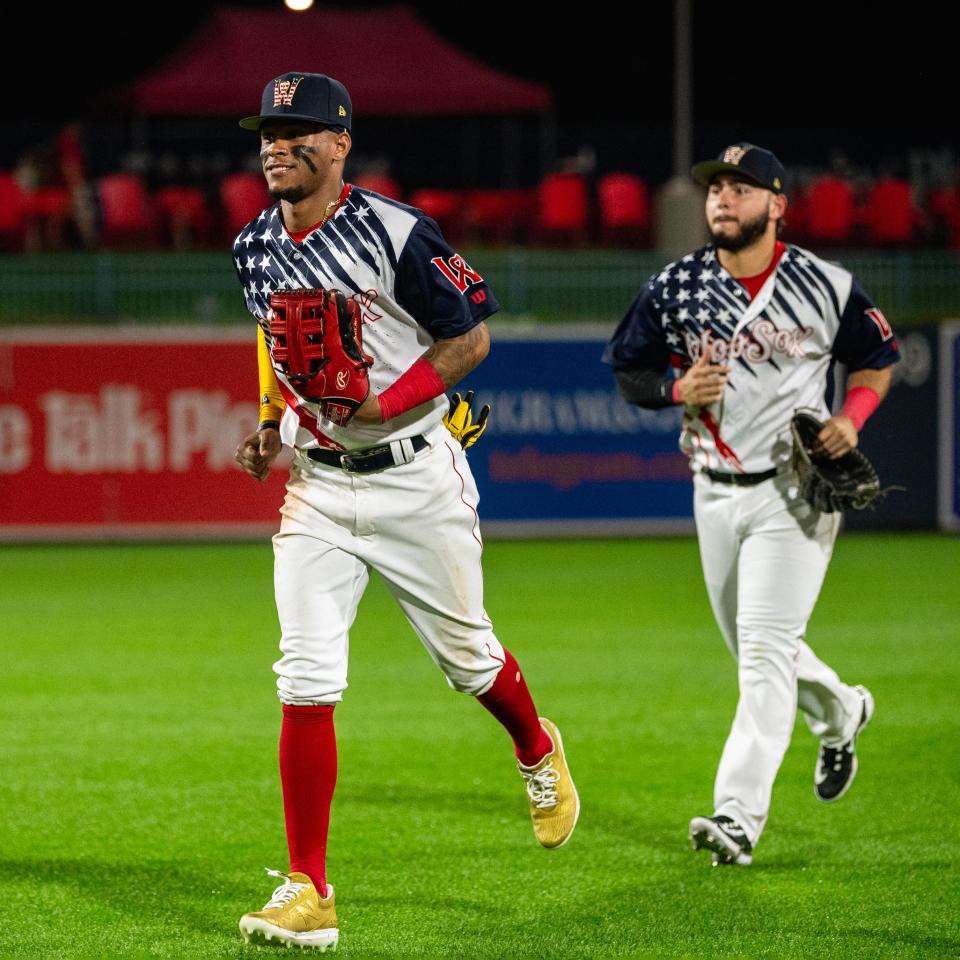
(803, 80)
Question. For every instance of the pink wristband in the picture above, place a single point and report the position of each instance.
(860, 403)
(417, 385)
(675, 392)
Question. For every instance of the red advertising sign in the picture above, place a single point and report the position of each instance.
(129, 433)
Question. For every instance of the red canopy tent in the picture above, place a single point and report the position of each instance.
(390, 61)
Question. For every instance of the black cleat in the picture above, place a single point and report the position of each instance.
(837, 766)
(724, 837)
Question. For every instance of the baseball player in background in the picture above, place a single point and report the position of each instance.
(752, 329)
(386, 488)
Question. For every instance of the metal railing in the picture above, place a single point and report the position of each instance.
(531, 284)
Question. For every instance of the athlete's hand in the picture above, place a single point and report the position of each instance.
(257, 451)
(838, 436)
(703, 383)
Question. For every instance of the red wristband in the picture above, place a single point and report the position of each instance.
(417, 385)
(860, 403)
(675, 392)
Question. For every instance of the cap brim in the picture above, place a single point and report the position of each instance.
(705, 171)
(255, 123)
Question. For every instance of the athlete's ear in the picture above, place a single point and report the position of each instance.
(342, 146)
(778, 206)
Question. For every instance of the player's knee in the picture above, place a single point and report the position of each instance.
(470, 672)
(470, 658)
(471, 682)
(766, 652)
(761, 632)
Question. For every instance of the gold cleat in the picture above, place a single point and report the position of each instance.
(554, 804)
(295, 916)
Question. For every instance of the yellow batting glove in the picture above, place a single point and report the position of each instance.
(459, 420)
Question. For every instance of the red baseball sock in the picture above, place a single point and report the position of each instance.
(510, 702)
(308, 772)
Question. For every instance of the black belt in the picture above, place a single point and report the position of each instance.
(741, 479)
(374, 458)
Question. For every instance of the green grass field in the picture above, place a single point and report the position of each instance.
(140, 796)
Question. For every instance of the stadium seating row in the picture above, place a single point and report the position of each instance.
(562, 209)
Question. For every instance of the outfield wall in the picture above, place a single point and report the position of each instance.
(126, 433)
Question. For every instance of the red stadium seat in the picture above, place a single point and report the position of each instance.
(563, 203)
(829, 210)
(184, 215)
(128, 215)
(944, 209)
(498, 216)
(563, 207)
(243, 197)
(444, 206)
(624, 202)
(381, 183)
(889, 213)
(13, 212)
(48, 209)
(49, 202)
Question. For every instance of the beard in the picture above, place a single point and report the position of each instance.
(290, 194)
(750, 231)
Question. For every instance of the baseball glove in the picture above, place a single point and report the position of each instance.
(459, 420)
(847, 483)
(316, 342)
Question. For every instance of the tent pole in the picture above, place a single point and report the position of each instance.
(548, 142)
(510, 141)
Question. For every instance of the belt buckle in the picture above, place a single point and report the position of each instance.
(347, 463)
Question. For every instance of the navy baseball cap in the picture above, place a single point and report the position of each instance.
(746, 160)
(303, 96)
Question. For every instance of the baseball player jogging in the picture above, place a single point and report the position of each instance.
(751, 328)
(365, 318)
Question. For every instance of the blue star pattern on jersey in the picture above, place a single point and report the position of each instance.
(809, 312)
(268, 259)
(411, 286)
(370, 244)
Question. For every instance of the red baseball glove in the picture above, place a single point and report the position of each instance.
(316, 342)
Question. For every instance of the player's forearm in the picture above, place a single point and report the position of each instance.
(865, 390)
(453, 359)
(444, 365)
(646, 388)
(876, 380)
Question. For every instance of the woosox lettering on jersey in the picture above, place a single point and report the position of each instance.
(781, 348)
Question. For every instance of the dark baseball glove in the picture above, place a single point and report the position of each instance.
(847, 483)
(316, 342)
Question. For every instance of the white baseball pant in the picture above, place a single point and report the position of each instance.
(415, 524)
(765, 552)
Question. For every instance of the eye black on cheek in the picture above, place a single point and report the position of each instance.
(302, 151)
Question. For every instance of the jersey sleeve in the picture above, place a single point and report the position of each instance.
(438, 287)
(865, 339)
(638, 341)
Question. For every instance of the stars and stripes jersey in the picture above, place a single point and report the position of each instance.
(412, 289)
(780, 347)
